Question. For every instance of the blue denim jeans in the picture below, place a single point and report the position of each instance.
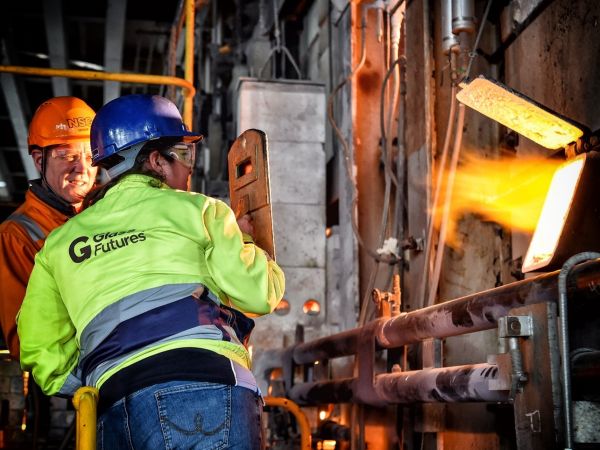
(183, 415)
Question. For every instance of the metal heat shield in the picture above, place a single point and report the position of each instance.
(570, 218)
(519, 112)
(249, 186)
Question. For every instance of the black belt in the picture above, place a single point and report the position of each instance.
(183, 364)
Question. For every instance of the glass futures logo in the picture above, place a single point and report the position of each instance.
(81, 248)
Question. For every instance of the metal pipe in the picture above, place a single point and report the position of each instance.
(468, 383)
(84, 401)
(341, 390)
(190, 18)
(189, 90)
(340, 344)
(449, 40)
(564, 340)
(479, 311)
(463, 16)
(475, 312)
(304, 425)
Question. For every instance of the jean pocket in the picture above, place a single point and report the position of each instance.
(195, 415)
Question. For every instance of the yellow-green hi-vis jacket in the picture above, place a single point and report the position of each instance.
(107, 287)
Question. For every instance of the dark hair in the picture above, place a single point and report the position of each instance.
(160, 145)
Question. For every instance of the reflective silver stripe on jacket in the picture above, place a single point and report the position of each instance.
(131, 306)
(71, 384)
(199, 332)
(30, 225)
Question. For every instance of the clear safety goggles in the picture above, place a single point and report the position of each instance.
(72, 153)
(183, 152)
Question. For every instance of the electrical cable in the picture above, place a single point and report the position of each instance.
(279, 47)
(384, 140)
(436, 197)
(347, 152)
(439, 255)
(479, 33)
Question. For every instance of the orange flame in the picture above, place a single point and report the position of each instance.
(509, 191)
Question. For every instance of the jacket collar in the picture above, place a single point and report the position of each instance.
(51, 199)
(137, 180)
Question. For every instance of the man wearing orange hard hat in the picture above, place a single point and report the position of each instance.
(59, 144)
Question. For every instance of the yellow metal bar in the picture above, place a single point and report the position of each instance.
(188, 87)
(305, 436)
(84, 401)
(190, 18)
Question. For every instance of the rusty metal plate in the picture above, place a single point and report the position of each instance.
(249, 187)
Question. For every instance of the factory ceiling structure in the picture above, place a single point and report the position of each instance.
(120, 36)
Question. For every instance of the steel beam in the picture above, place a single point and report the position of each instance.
(57, 49)
(17, 117)
(113, 45)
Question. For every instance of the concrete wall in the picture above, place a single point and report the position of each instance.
(293, 116)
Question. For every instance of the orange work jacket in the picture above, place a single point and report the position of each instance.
(22, 235)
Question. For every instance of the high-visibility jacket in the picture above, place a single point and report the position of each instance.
(164, 260)
(22, 235)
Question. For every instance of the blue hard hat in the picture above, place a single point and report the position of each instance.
(134, 119)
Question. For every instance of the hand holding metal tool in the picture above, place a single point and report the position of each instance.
(249, 187)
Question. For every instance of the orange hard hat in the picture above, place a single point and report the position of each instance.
(60, 120)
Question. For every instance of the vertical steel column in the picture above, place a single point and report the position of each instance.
(57, 47)
(114, 36)
(366, 86)
(190, 18)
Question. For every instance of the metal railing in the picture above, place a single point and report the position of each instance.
(189, 90)
(302, 421)
(85, 401)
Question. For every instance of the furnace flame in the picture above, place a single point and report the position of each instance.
(509, 191)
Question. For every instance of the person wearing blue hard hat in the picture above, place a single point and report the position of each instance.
(158, 320)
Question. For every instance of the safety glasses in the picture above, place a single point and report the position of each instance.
(184, 153)
(72, 153)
